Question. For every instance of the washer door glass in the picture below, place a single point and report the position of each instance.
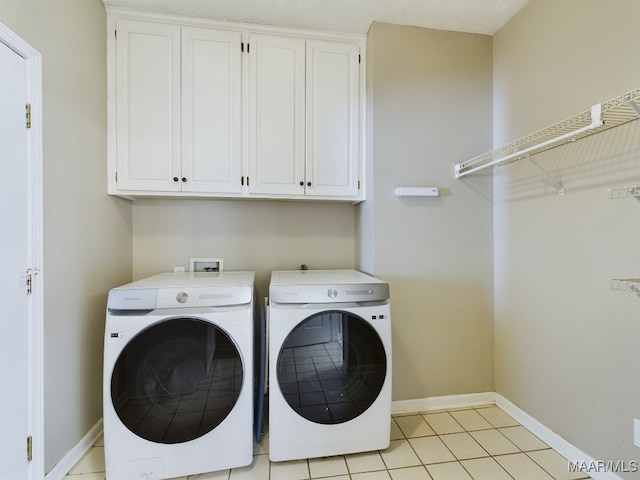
(331, 367)
(176, 380)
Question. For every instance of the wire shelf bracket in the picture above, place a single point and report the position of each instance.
(631, 285)
(600, 117)
(624, 192)
(548, 176)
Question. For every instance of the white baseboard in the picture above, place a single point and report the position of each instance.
(559, 444)
(555, 441)
(439, 403)
(73, 456)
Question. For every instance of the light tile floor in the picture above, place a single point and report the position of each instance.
(480, 443)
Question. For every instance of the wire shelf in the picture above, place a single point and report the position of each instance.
(600, 117)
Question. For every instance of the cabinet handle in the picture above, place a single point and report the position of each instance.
(184, 179)
(175, 179)
(301, 183)
(308, 184)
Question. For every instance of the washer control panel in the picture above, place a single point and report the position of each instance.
(147, 299)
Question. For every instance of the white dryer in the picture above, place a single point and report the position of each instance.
(329, 364)
(178, 375)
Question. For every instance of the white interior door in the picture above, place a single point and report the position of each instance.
(19, 197)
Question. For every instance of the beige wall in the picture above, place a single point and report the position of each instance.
(250, 235)
(567, 346)
(87, 234)
(430, 102)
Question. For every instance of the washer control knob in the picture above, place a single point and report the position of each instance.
(182, 297)
(332, 293)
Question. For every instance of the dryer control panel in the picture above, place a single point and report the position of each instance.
(326, 286)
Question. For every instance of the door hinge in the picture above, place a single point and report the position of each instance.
(358, 184)
(29, 274)
(29, 448)
(242, 47)
(359, 58)
(116, 177)
(28, 114)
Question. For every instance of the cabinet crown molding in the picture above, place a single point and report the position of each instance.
(221, 24)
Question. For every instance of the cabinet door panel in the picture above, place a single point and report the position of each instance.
(276, 119)
(148, 105)
(332, 151)
(211, 124)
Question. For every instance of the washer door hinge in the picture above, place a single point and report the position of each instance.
(28, 114)
(29, 448)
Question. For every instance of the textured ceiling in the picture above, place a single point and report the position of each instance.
(352, 16)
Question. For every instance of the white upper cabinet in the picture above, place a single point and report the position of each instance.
(332, 118)
(276, 115)
(304, 117)
(178, 100)
(148, 106)
(211, 101)
(214, 109)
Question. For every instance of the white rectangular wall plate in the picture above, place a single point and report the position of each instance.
(206, 264)
(416, 192)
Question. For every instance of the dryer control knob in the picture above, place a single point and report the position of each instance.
(332, 293)
(182, 297)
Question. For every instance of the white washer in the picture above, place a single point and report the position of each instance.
(178, 375)
(329, 364)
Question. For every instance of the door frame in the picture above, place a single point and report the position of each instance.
(35, 314)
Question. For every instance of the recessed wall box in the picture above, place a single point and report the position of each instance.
(206, 264)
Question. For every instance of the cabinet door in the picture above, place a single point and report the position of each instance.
(147, 106)
(276, 115)
(333, 148)
(211, 124)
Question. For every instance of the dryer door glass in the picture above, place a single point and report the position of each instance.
(331, 367)
(176, 380)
